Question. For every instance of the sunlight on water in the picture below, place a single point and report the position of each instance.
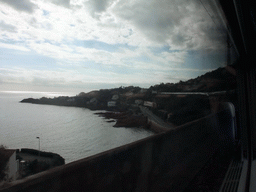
(72, 132)
(45, 94)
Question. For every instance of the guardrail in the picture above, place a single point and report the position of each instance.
(166, 161)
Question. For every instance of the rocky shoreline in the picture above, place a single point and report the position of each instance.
(125, 119)
(124, 116)
(129, 119)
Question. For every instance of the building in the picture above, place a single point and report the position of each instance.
(9, 166)
(93, 101)
(150, 104)
(115, 97)
(138, 102)
(111, 103)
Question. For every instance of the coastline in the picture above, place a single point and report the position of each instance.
(128, 119)
(123, 116)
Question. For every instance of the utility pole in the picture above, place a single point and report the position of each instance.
(38, 145)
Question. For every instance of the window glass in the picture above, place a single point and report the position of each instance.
(158, 65)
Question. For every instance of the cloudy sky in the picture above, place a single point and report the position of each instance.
(90, 44)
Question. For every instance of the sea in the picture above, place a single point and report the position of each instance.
(72, 132)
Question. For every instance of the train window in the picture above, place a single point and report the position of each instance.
(163, 77)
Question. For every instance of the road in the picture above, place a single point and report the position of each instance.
(155, 118)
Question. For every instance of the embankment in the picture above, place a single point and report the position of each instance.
(55, 158)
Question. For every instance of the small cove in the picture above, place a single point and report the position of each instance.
(72, 132)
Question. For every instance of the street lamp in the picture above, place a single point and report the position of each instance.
(38, 144)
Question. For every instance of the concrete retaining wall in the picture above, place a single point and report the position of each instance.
(163, 162)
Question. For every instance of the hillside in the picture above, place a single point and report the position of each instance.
(217, 80)
(176, 109)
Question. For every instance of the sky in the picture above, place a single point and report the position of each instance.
(82, 45)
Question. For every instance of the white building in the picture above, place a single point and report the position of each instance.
(150, 104)
(111, 103)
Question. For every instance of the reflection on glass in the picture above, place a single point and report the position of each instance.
(162, 63)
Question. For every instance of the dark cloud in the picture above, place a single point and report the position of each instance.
(24, 5)
(184, 24)
(98, 6)
(7, 27)
(157, 19)
(64, 3)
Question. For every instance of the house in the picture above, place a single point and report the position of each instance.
(9, 166)
(72, 99)
(143, 90)
(115, 97)
(111, 103)
(93, 101)
(128, 94)
(150, 104)
(138, 102)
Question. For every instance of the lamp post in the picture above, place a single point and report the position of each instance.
(38, 144)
